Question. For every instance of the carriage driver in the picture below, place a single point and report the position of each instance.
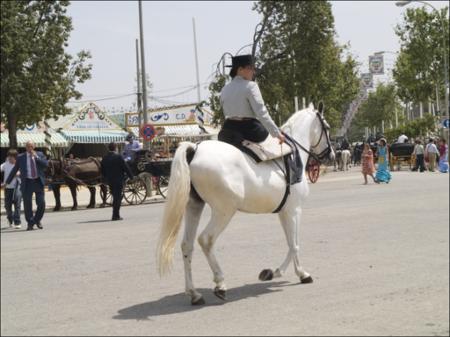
(245, 113)
(130, 148)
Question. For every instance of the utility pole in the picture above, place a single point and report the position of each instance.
(196, 62)
(144, 82)
(138, 80)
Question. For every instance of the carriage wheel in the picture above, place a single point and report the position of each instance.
(135, 192)
(107, 197)
(313, 171)
(163, 186)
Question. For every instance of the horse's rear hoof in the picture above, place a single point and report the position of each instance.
(90, 206)
(198, 301)
(74, 208)
(56, 209)
(220, 293)
(307, 280)
(266, 275)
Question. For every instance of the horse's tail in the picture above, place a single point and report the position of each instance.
(177, 199)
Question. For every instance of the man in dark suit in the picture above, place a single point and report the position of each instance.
(32, 166)
(114, 169)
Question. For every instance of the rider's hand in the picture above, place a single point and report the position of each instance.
(281, 138)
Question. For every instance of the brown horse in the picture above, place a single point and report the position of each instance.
(74, 173)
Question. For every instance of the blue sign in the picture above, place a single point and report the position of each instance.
(446, 123)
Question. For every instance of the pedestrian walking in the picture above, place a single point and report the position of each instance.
(431, 153)
(368, 168)
(383, 173)
(114, 168)
(32, 165)
(13, 195)
(443, 156)
(419, 154)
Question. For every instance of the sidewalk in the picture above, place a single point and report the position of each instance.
(83, 197)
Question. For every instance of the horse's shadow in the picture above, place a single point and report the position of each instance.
(180, 303)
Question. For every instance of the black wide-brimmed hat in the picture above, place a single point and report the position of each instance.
(242, 61)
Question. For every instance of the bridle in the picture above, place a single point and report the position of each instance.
(319, 157)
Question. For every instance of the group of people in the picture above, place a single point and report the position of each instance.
(382, 173)
(24, 176)
(432, 155)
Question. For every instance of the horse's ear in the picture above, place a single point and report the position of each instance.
(321, 107)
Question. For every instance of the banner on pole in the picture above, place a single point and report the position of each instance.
(367, 80)
(376, 64)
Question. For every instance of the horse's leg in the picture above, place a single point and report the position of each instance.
(56, 188)
(92, 201)
(104, 191)
(219, 220)
(73, 191)
(290, 220)
(194, 210)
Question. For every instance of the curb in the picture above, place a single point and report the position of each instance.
(97, 206)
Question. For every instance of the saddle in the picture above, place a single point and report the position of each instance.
(270, 149)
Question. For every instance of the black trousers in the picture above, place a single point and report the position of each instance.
(420, 163)
(117, 194)
(234, 131)
(30, 187)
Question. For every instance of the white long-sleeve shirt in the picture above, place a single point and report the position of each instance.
(241, 98)
(6, 168)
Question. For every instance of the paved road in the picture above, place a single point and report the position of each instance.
(379, 255)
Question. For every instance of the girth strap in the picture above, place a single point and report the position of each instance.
(288, 185)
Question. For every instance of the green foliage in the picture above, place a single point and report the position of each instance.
(380, 106)
(37, 76)
(300, 57)
(420, 127)
(420, 64)
(214, 100)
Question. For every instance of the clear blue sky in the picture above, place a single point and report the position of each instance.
(108, 29)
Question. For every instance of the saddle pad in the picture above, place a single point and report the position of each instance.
(268, 149)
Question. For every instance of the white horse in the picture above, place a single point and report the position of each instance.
(345, 160)
(229, 181)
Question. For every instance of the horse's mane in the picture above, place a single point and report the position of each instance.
(297, 115)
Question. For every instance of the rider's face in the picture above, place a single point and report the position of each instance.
(247, 72)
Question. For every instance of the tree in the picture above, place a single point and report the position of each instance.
(380, 106)
(419, 69)
(419, 127)
(299, 56)
(37, 77)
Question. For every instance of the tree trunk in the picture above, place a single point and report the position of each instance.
(12, 130)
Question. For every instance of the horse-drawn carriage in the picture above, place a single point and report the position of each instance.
(401, 153)
(150, 173)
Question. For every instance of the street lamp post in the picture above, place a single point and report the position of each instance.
(404, 3)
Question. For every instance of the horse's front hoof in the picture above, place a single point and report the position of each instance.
(90, 206)
(198, 301)
(56, 209)
(74, 208)
(307, 280)
(266, 275)
(220, 293)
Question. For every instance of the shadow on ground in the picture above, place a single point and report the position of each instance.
(180, 303)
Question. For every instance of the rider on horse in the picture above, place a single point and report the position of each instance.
(246, 116)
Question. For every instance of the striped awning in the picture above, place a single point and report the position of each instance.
(94, 136)
(188, 130)
(38, 138)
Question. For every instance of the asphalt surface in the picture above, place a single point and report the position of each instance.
(379, 256)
